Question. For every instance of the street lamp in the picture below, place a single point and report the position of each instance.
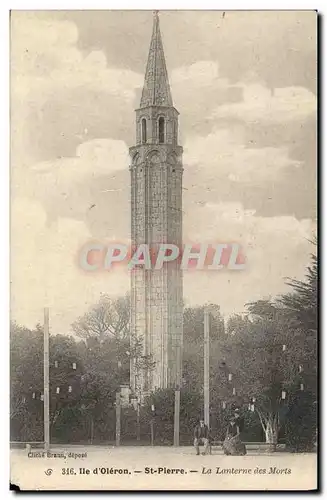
(152, 424)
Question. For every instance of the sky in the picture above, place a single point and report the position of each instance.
(244, 83)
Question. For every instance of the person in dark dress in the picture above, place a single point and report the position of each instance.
(239, 420)
(233, 444)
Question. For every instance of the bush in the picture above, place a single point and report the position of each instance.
(164, 403)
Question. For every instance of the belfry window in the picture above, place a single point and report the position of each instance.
(174, 132)
(161, 130)
(143, 130)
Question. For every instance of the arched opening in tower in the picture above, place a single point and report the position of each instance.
(174, 132)
(161, 130)
(143, 130)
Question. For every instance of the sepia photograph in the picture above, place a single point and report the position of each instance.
(164, 250)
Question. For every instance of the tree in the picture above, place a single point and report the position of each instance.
(193, 331)
(302, 303)
(27, 381)
(193, 323)
(301, 421)
(255, 366)
(65, 373)
(301, 308)
(163, 402)
(109, 317)
(267, 357)
(84, 376)
(26, 377)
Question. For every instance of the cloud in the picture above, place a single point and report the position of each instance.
(278, 45)
(47, 180)
(96, 157)
(105, 155)
(196, 89)
(264, 105)
(223, 153)
(45, 269)
(46, 57)
(230, 220)
(275, 248)
(199, 74)
(62, 96)
(72, 118)
(96, 177)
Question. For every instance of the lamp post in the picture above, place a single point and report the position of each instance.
(117, 418)
(206, 366)
(178, 382)
(152, 424)
(46, 402)
(176, 415)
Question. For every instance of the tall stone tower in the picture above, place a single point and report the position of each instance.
(156, 218)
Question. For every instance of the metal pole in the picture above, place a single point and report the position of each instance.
(92, 429)
(176, 416)
(152, 433)
(138, 424)
(177, 393)
(46, 402)
(206, 367)
(152, 421)
(117, 419)
(138, 384)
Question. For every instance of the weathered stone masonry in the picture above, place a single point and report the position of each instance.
(156, 217)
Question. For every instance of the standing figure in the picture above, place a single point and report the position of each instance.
(201, 436)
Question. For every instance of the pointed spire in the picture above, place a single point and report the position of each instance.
(156, 90)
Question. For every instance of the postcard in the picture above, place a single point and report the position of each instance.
(164, 262)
